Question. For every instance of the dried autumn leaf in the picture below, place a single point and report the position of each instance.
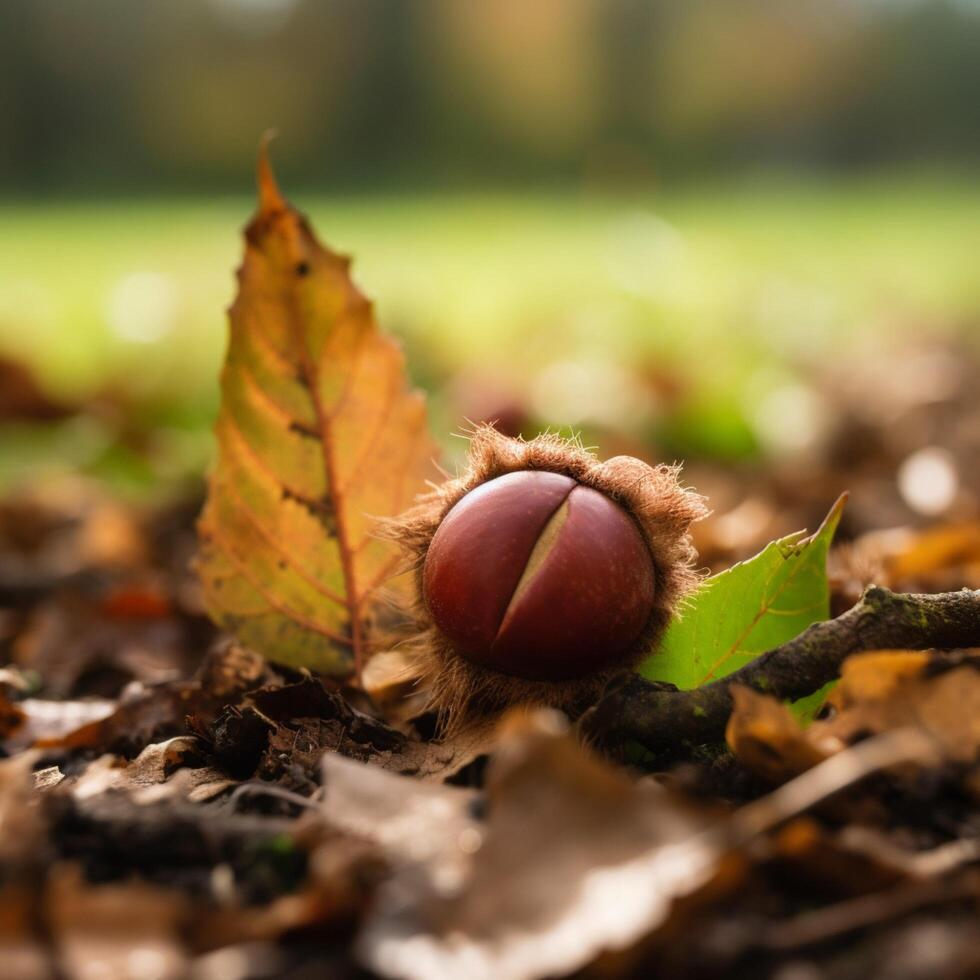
(765, 736)
(318, 434)
(879, 691)
(572, 859)
(562, 862)
(886, 689)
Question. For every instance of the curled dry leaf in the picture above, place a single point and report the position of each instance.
(318, 434)
(889, 689)
(947, 554)
(767, 738)
(281, 733)
(879, 692)
(157, 773)
(147, 714)
(572, 861)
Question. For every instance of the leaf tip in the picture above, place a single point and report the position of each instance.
(833, 517)
(828, 526)
(270, 197)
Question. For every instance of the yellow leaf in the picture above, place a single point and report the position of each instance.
(318, 435)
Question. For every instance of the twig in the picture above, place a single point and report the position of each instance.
(661, 718)
(265, 789)
(821, 925)
(938, 861)
(827, 778)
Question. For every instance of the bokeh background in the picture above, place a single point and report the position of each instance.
(744, 235)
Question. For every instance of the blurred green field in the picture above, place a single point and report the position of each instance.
(733, 290)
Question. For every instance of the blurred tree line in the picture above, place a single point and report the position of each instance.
(125, 95)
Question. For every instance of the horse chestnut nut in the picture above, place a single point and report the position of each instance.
(535, 575)
(540, 572)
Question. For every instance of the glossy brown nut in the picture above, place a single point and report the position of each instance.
(536, 576)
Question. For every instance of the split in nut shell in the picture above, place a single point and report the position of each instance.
(541, 572)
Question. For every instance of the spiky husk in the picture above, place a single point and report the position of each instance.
(663, 511)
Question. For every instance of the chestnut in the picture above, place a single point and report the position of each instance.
(541, 572)
(535, 575)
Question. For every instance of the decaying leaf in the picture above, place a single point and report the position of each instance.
(414, 822)
(752, 607)
(544, 885)
(157, 773)
(281, 734)
(938, 555)
(767, 738)
(318, 435)
(148, 714)
(878, 692)
(117, 930)
(889, 689)
(573, 860)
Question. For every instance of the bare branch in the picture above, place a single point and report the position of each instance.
(662, 718)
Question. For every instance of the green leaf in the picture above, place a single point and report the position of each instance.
(748, 609)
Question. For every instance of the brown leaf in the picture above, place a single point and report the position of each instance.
(892, 689)
(116, 930)
(573, 859)
(158, 773)
(282, 733)
(412, 820)
(318, 435)
(836, 864)
(878, 692)
(148, 714)
(767, 738)
(49, 723)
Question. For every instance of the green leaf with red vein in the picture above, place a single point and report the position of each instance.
(318, 435)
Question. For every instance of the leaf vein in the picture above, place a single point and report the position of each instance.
(249, 515)
(241, 566)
